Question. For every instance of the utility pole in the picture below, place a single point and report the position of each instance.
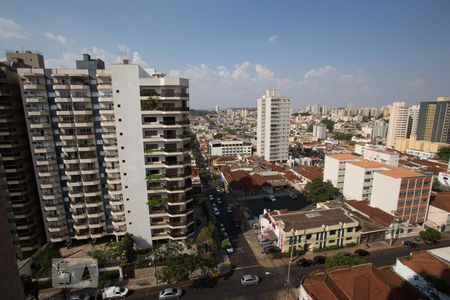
(290, 261)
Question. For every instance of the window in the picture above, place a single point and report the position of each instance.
(348, 239)
(148, 119)
(308, 236)
(332, 232)
(349, 229)
(331, 241)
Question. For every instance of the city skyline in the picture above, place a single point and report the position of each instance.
(367, 54)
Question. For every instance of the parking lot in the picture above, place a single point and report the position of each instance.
(257, 205)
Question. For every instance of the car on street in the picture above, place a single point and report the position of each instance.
(222, 227)
(431, 241)
(210, 197)
(216, 211)
(409, 244)
(345, 253)
(229, 210)
(114, 292)
(292, 195)
(170, 293)
(271, 249)
(319, 259)
(272, 198)
(250, 280)
(304, 263)
(264, 242)
(218, 189)
(236, 223)
(219, 201)
(361, 252)
(80, 297)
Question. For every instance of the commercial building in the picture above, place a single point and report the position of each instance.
(229, 148)
(320, 131)
(17, 180)
(273, 126)
(402, 192)
(399, 123)
(434, 121)
(110, 150)
(334, 170)
(309, 230)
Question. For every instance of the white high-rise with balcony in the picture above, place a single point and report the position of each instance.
(399, 123)
(273, 126)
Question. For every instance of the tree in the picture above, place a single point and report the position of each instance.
(42, 262)
(342, 136)
(206, 237)
(126, 247)
(342, 260)
(203, 173)
(319, 191)
(329, 124)
(224, 244)
(310, 128)
(430, 233)
(444, 154)
(217, 136)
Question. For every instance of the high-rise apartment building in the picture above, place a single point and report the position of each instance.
(273, 126)
(334, 169)
(434, 121)
(153, 133)
(399, 124)
(380, 129)
(17, 180)
(111, 151)
(414, 118)
(320, 131)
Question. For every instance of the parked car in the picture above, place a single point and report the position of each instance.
(229, 210)
(114, 292)
(271, 249)
(361, 252)
(265, 242)
(222, 227)
(211, 197)
(304, 263)
(409, 244)
(250, 280)
(216, 211)
(218, 189)
(272, 198)
(431, 241)
(319, 259)
(345, 253)
(293, 195)
(80, 297)
(170, 293)
(219, 201)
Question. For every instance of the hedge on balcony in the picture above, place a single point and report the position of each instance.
(151, 150)
(156, 202)
(155, 176)
(150, 103)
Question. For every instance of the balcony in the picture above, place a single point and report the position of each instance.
(36, 99)
(81, 99)
(34, 86)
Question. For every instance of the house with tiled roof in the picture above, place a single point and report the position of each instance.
(438, 215)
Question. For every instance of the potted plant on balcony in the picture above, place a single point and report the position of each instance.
(150, 103)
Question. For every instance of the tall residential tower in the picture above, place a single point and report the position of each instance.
(273, 126)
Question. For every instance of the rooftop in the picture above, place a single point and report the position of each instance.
(441, 200)
(375, 214)
(427, 265)
(301, 220)
(309, 172)
(359, 282)
(401, 173)
(370, 164)
(344, 156)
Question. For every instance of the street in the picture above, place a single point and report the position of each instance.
(273, 280)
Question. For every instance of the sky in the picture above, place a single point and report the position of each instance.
(369, 53)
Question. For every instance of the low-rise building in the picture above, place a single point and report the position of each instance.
(382, 156)
(309, 230)
(357, 282)
(229, 148)
(426, 272)
(439, 212)
(444, 178)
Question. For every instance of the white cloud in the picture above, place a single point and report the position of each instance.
(273, 38)
(137, 59)
(416, 84)
(11, 29)
(240, 71)
(320, 72)
(67, 60)
(262, 72)
(59, 38)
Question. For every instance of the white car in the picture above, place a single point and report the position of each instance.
(219, 200)
(114, 292)
(218, 189)
(171, 293)
(80, 297)
(272, 198)
(230, 249)
(211, 198)
(229, 210)
(216, 211)
(249, 280)
(222, 227)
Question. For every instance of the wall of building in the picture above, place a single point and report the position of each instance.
(354, 182)
(439, 217)
(331, 172)
(385, 192)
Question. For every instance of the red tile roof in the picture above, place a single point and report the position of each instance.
(427, 265)
(441, 200)
(375, 214)
(309, 172)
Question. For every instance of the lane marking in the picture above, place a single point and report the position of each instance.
(246, 267)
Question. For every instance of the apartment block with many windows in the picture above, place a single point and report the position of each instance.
(334, 170)
(229, 148)
(17, 180)
(72, 137)
(403, 193)
(153, 133)
(273, 126)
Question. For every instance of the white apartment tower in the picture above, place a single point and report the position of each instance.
(273, 126)
(320, 131)
(398, 123)
(93, 143)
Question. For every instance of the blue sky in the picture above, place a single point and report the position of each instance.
(331, 52)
